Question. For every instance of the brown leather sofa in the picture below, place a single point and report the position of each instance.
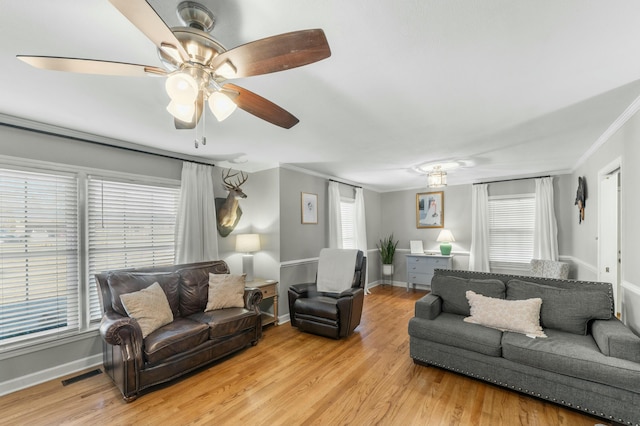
(194, 338)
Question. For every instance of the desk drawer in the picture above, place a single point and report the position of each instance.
(418, 278)
(268, 290)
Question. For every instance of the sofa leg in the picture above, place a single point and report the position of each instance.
(130, 398)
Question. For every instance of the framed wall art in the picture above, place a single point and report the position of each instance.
(430, 210)
(309, 208)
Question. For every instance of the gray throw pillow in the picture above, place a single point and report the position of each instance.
(568, 310)
(452, 291)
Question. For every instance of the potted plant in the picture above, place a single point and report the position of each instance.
(387, 249)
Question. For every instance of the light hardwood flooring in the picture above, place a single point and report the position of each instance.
(293, 378)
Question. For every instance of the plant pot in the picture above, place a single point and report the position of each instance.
(387, 269)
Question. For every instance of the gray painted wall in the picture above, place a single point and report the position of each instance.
(35, 146)
(623, 144)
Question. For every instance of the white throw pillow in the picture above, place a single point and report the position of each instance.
(225, 291)
(520, 316)
(149, 307)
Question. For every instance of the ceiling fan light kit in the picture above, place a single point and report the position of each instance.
(197, 66)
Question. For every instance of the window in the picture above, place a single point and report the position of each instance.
(39, 280)
(511, 227)
(347, 216)
(129, 225)
(53, 222)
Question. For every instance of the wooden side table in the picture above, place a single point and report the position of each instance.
(269, 290)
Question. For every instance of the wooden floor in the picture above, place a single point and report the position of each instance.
(293, 378)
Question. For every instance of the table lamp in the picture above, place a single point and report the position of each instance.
(247, 243)
(445, 238)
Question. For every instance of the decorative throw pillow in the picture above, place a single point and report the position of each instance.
(225, 291)
(149, 307)
(519, 316)
(452, 291)
(568, 310)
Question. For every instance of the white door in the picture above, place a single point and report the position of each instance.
(609, 239)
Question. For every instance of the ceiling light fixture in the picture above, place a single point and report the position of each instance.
(437, 178)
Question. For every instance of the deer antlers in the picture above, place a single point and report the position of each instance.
(239, 181)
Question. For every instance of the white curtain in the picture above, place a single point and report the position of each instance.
(545, 234)
(479, 257)
(335, 217)
(196, 231)
(360, 231)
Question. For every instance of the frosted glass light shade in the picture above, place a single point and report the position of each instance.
(221, 105)
(183, 112)
(182, 88)
(247, 243)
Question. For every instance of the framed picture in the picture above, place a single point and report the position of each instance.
(309, 208)
(430, 210)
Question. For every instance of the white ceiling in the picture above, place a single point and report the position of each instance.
(509, 87)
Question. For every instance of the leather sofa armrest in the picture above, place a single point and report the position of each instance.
(118, 330)
(616, 340)
(252, 298)
(428, 307)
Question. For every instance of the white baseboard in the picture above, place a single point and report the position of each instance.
(42, 376)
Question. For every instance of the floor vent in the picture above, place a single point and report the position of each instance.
(81, 377)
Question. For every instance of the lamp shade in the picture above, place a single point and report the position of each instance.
(445, 236)
(247, 243)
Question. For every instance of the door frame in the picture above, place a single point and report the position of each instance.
(613, 166)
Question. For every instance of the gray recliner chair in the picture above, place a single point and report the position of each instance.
(329, 314)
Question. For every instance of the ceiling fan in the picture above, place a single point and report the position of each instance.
(197, 66)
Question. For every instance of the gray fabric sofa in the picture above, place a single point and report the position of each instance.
(589, 361)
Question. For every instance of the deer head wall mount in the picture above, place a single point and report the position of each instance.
(228, 210)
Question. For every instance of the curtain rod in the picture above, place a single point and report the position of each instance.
(348, 184)
(511, 180)
(140, 151)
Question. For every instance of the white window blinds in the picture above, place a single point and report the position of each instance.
(130, 225)
(347, 214)
(511, 227)
(39, 279)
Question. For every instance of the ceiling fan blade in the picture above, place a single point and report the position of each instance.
(147, 20)
(277, 53)
(90, 66)
(260, 107)
(181, 125)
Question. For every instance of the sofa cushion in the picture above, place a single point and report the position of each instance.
(452, 291)
(520, 316)
(450, 329)
(177, 337)
(563, 309)
(224, 323)
(572, 355)
(149, 307)
(225, 291)
(194, 289)
(127, 282)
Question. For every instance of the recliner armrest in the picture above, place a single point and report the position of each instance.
(303, 289)
(350, 292)
(428, 307)
(615, 339)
